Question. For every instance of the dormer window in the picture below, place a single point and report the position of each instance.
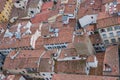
(32, 12)
(107, 68)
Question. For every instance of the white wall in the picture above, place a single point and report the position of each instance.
(108, 36)
(93, 64)
(88, 19)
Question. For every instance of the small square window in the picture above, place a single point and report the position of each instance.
(106, 41)
(113, 40)
(118, 33)
(111, 34)
(119, 39)
(110, 29)
(104, 36)
(117, 27)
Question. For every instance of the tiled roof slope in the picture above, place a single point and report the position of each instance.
(112, 59)
(74, 66)
(25, 59)
(81, 77)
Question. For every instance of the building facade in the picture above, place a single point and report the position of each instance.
(110, 35)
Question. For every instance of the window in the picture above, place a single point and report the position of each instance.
(118, 33)
(102, 30)
(111, 34)
(53, 46)
(113, 40)
(17, 1)
(106, 41)
(119, 39)
(109, 29)
(32, 12)
(107, 68)
(104, 36)
(96, 48)
(117, 27)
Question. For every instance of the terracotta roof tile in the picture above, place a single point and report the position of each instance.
(46, 65)
(73, 2)
(95, 39)
(90, 58)
(45, 29)
(80, 77)
(107, 22)
(90, 28)
(107, 1)
(40, 17)
(73, 66)
(46, 6)
(69, 9)
(98, 70)
(86, 8)
(24, 41)
(25, 59)
(112, 59)
(66, 31)
(103, 15)
(69, 52)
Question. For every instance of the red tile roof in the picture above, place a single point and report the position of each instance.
(98, 70)
(69, 9)
(70, 52)
(81, 77)
(112, 59)
(107, 1)
(91, 58)
(41, 17)
(46, 65)
(103, 15)
(73, 2)
(65, 34)
(46, 62)
(72, 66)
(25, 59)
(86, 8)
(24, 41)
(107, 22)
(7, 42)
(95, 39)
(46, 6)
(90, 28)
